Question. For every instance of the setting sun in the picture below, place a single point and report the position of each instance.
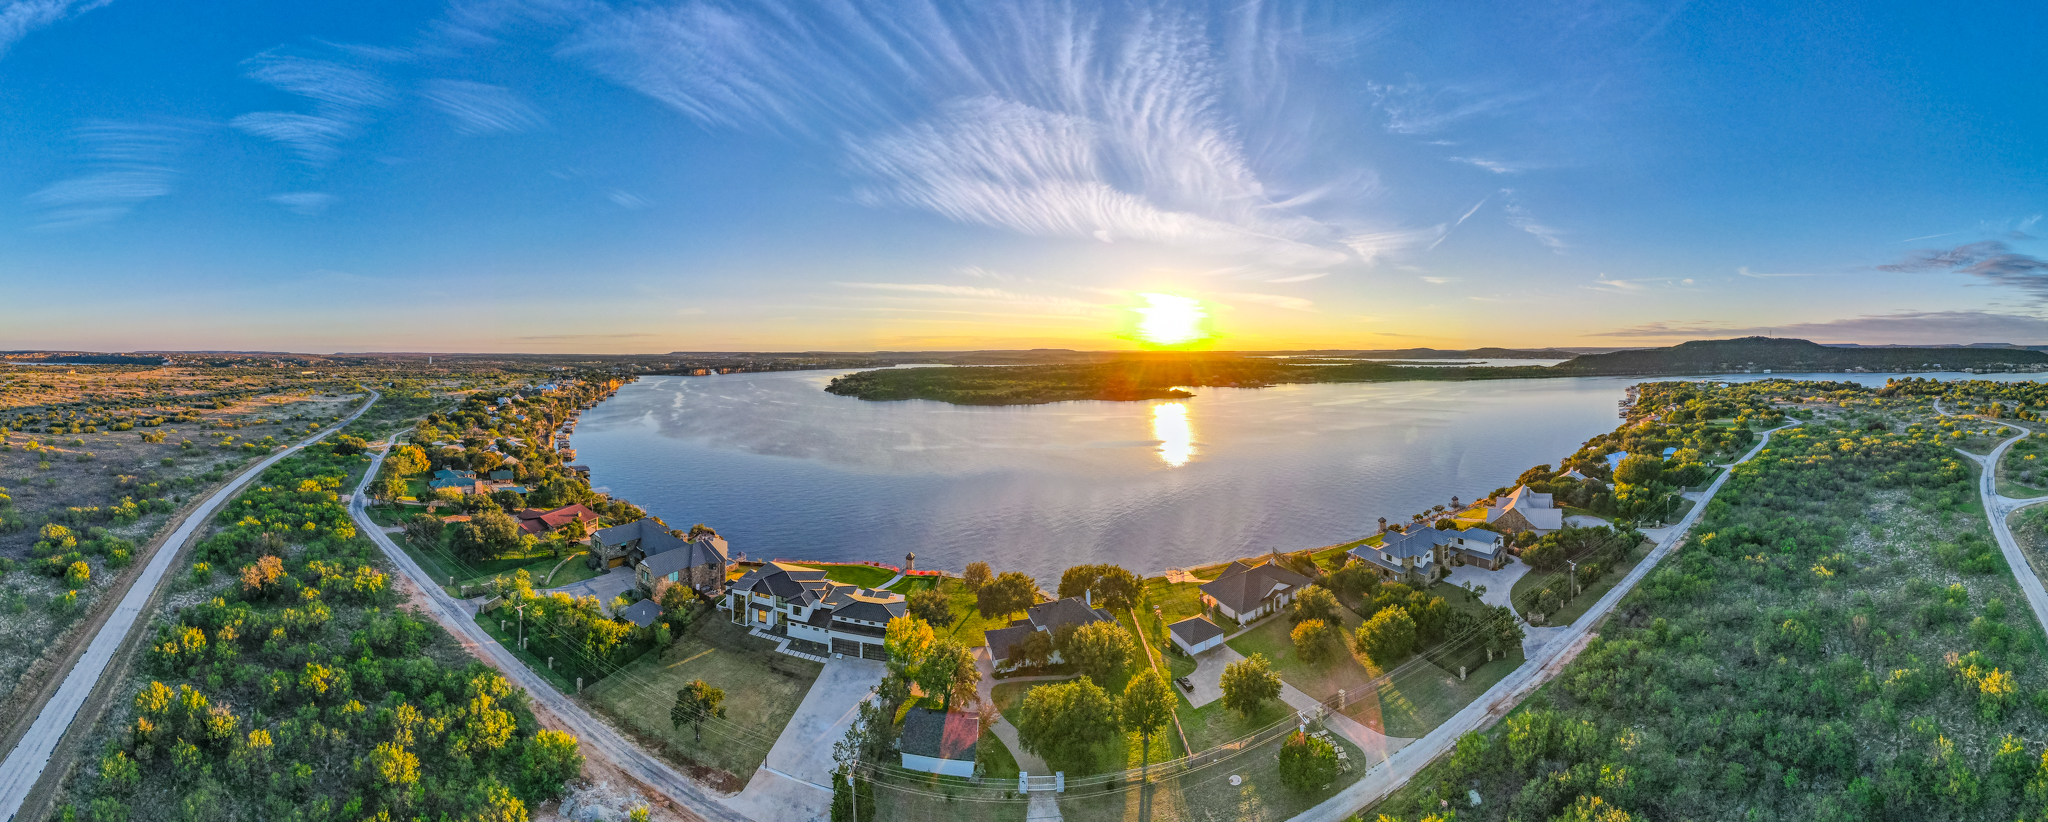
(1168, 319)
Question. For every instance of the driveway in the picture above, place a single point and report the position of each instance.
(985, 691)
(794, 781)
(1585, 521)
(1208, 678)
(1498, 583)
(605, 587)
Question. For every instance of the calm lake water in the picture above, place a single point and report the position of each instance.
(784, 470)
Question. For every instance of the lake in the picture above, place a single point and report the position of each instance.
(784, 470)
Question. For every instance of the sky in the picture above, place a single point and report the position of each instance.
(645, 177)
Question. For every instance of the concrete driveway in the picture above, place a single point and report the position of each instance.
(606, 587)
(794, 781)
(1585, 521)
(1498, 583)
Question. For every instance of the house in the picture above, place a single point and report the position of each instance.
(1246, 592)
(1195, 635)
(501, 476)
(1526, 510)
(1050, 617)
(466, 485)
(1422, 556)
(449, 474)
(802, 604)
(699, 563)
(655, 553)
(642, 614)
(536, 521)
(940, 742)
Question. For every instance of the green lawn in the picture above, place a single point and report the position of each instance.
(1274, 639)
(865, 576)
(574, 568)
(762, 691)
(507, 636)
(1123, 752)
(1207, 794)
(2025, 459)
(1419, 698)
(994, 758)
(910, 585)
(1212, 725)
(968, 627)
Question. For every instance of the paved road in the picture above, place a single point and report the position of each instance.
(1996, 508)
(598, 739)
(25, 764)
(1544, 665)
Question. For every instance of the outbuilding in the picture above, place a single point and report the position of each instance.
(1195, 634)
(940, 742)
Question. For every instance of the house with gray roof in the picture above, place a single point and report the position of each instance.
(1195, 635)
(642, 614)
(1247, 591)
(1049, 617)
(940, 742)
(801, 603)
(1526, 510)
(1422, 555)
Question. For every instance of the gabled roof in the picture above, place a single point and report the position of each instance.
(1243, 587)
(1195, 630)
(870, 609)
(1060, 614)
(1417, 542)
(940, 734)
(449, 474)
(642, 613)
(1003, 641)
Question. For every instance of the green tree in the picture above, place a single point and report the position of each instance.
(909, 642)
(1315, 602)
(1388, 637)
(1639, 469)
(1097, 649)
(1146, 707)
(390, 488)
(1006, 594)
(977, 575)
(933, 606)
(1117, 588)
(1307, 763)
(550, 759)
(1248, 684)
(1033, 650)
(1065, 722)
(695, 703)
(1313, 640)
(407, 460)
(489, 534)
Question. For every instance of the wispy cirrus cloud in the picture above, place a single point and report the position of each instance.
(1903, 327)
(1990, 260)
(1419, 108)
(1520, 218)
(482, 109)
(305, 203)
(130, 163)
(342, 96)
(19, 17)
(1109, 122)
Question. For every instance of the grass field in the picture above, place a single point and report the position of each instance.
(1418, 699)
(762, 691)
(865, 576)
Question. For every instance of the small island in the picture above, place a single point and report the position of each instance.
(1169, 375)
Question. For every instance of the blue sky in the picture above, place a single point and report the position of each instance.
(573, 175)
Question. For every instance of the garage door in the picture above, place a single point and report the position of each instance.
(875, 652)
(845, 647)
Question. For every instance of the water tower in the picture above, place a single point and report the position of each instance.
(910, 562)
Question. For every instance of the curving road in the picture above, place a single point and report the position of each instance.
(1996, 508)
(597, 738)
(1543, 665)
(24, 765)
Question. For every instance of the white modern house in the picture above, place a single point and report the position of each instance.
(802, 604)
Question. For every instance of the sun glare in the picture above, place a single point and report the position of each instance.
(1175, 433)
(1169, 319)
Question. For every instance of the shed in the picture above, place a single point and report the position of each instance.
(940, 742)
(1195, 634)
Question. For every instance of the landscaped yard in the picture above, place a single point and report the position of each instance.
(1274, 639)
(1419, 698)
(865, 576)
(762, 691)
(1206, 794)
(968, 627)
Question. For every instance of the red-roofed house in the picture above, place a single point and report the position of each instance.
(537, 522)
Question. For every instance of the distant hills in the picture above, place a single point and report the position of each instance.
(1752, 354)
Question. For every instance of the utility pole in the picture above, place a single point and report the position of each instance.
(1575, 576)
(853, 788)
(521, 608)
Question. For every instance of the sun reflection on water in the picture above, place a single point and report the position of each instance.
(1175, 434)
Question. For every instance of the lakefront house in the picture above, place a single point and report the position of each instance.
(800, 603)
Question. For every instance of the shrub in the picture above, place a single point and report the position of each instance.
(1388, 637)
(1307, 763)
